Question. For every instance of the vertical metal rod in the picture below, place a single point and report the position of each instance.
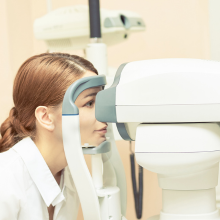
(94, 19)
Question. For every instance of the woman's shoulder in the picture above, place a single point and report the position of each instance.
(12, 187)
(13, 170)
(7, 159)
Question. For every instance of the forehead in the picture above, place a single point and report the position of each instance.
(89, 73)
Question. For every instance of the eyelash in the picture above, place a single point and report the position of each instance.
(91, 102)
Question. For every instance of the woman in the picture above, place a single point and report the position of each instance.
(35, 182)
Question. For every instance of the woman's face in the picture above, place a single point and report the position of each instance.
(92, 131)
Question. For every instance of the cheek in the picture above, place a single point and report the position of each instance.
(87, 120)
(58, 126)
(60, 122)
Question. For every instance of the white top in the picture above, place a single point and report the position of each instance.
(27, 186)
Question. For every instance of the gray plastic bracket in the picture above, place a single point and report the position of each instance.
(104, 147)
(106, 105)
(129, 22)
(69, 107)
(113, 22)
(123, 132)
(105, 110)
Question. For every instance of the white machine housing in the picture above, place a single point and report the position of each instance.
(171, 107)
(168, 91)
(67, 28)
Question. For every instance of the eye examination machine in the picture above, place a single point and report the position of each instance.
(171, 109)
(68, 27)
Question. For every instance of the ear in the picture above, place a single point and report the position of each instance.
(44, 118)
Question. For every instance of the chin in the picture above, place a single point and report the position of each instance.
(100, 140)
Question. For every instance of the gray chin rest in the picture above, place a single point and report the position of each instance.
(104, 147)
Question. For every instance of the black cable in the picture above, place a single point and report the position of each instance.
(140, 199)
(138, 195)
(134, 185)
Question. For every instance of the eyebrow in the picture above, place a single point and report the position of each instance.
(91, 94)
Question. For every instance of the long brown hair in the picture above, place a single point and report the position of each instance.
(41, 80)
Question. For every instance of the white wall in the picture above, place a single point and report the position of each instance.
(214, 25)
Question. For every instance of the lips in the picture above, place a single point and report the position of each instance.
(102, 130)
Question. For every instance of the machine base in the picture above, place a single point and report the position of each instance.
(154, 217)
(166, 216)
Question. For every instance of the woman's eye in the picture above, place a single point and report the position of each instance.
(89, 104)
